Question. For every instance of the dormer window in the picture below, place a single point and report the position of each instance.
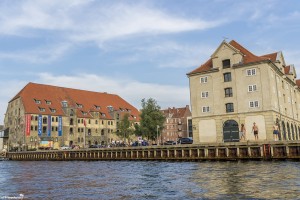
(79, 105)
(128, 110)
(37, 101)
(226, 63)
(52, 110)
(48, 102)
(42, 109)
(84, 113)
(64, 104)
(110, 108)
(103, 114)
(97, 107)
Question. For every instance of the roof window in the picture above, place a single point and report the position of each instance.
(79, 105)
(42, 109)
(37, 101)
(48, 102)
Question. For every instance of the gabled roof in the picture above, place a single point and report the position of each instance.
(84, 101)
(176, 112)
(248, 57)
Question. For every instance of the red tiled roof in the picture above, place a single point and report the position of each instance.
(287, 69)
(176, 112)
(56, 95)
(248, 57)
(271, 56)
(298, 82)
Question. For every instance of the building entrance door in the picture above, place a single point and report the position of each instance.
(231, 131)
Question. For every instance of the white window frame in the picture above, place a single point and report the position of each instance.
(205, 109)
(251, 72)
(204, 94)
(252, 88)
(203, 79)
(253, 104)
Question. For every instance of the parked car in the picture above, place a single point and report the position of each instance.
(185, 141)
(65, 148)
(143, 143)
(170, 142)
(95, 146)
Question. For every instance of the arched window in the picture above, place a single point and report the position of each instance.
(44, 129)
(78, 139)
(81, 139)
(102, 132)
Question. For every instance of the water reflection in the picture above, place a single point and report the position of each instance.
(151, 180)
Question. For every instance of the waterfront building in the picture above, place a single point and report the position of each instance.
(55, 116)
(235, 87)
(176, 124)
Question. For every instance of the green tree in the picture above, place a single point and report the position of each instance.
(152, 119)
(124, 129)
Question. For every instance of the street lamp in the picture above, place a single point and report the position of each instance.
(157, 141)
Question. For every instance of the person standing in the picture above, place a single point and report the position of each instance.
(275, 131)
(255, 131)
(243, 132)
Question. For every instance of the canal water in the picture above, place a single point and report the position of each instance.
(149, 180)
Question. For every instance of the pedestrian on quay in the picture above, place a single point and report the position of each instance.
(255, 130)
(243, 132)
(275, 131)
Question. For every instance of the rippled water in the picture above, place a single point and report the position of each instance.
(150, 180)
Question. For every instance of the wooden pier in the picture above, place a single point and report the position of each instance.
(281, 150)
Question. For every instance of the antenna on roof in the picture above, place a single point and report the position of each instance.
(225, 38)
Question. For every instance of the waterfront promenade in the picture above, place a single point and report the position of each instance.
(196, 152)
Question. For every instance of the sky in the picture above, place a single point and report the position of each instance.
(136, 49)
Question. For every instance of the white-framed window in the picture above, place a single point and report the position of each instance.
(205, 109)
(253, 104)
(204, 94)
(252, 88)
(251, 72)
(203, 79)
(42, 109)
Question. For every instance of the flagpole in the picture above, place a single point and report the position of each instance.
(84, 134)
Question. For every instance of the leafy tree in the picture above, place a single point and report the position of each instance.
(124, 129)
(151, 119)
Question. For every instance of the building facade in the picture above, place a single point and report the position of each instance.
(236, 87)
(176, 124)
(64, 116)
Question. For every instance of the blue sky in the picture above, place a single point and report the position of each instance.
(136, 49)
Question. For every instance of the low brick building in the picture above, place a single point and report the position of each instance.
(176, 124)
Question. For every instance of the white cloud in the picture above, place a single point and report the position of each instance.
(69, 23)
(86, 21)
(39, 55)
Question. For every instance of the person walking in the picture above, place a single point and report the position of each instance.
(255, 131)
(243, 132)
(275, 131)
